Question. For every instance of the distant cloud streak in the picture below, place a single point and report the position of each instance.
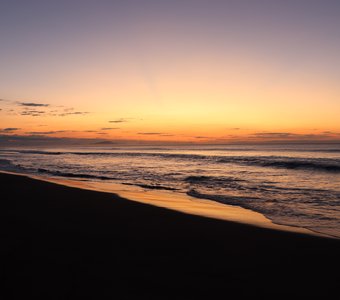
(72, 113)
(47, 132)
(33, 113)
(31, 104)
(9, 129)
(166, 134)
(121, 120)
(288, 136)
(150, 133)
(273, 134)
(35, 109)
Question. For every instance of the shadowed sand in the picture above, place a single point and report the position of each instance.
(179, 202)
(60, 242)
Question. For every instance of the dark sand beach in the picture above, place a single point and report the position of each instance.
(60, 242)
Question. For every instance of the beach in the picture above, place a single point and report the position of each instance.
(284, 187)
(65, 243)
(169, 149)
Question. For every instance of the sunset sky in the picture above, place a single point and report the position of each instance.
(198, 71)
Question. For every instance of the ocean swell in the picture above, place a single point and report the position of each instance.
(74, 175)
(331, 165)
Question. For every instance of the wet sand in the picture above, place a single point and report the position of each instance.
(61, 242)
(179, 202)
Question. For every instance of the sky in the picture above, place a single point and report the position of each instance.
(214, 71)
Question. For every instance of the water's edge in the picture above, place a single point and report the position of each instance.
(178, 202)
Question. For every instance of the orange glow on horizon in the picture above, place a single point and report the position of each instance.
(165, 81)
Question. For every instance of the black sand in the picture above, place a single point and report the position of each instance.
(66, 243)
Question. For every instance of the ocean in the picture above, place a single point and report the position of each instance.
(295, 185)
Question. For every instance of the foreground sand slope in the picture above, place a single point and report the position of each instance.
(66, 243)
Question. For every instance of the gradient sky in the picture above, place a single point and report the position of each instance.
(189, 70)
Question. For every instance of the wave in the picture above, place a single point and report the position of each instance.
(264, 189)
(75, 175)
(316, 164)
(230, 200)
(203, 178)
(42, 152)
(152, 187)
(287, 213)
(5, 162)
(135, 154)
(292, 163)
(303, 165)
(7, 165)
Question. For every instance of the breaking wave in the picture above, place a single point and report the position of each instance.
(292, 163)
(74, 175)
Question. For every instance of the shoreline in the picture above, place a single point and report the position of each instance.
(61, 242)
(178, 202)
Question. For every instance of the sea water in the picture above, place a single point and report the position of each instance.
(296, 185)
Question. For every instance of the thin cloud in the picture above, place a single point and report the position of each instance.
(166, 134)
(72, 113)
(150, 133)
(37, 109)
(329, 132)
(109, 128)
(9, 129)
(32, 104)
(79, 113)
(293, 136)
(121, 120)
(47, 132)
(274, 134)
(35, 140)
(160, 134)
(34, 113)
